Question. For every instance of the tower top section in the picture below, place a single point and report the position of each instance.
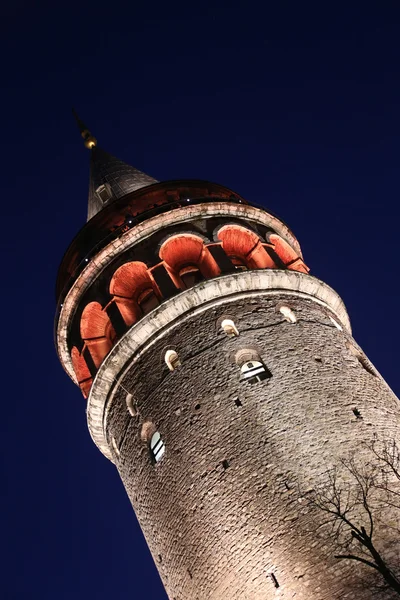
(110, 178)
(147, 242)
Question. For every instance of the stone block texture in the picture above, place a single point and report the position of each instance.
(224, 511)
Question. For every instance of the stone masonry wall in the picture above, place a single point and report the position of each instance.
(224, 508)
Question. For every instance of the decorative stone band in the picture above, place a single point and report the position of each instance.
(141, 232)
(173, 312)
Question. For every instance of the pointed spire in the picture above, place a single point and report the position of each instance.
(90, 140)
(110, 178)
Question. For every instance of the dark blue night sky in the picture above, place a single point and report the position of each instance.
(293, 106)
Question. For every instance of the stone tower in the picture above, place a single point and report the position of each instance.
(221, 379)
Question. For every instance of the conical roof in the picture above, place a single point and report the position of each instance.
(111, 178)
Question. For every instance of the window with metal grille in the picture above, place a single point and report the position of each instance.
(254, 371)
(157, 447)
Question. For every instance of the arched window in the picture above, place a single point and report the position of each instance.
(134, 291)
(287, 255)
(157, 447)
(252, 369)
(362, 359)
(336, 324)
(97, 332)
(288, 314)
(172, 360)
(81, 371)
(229, 327)
(115, 446)
(187, 259)
(130, 404)
(244, 248)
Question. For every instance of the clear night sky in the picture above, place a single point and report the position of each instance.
(294, 108)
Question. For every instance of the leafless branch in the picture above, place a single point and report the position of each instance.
(355, 496)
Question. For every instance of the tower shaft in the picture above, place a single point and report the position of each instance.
(224, 383)
(226, 510)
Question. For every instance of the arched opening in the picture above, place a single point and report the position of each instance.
(115, 446)
(131, 405)
(97, 332)
(252, 368)
(287, 255)
(157, 447)
(229, 327)
(172, 360)
(336, 324)
(188, 260)
(288, 314)
(253, 371)
(362, 359)
(244, 248)
(134, 291)
(82, 372)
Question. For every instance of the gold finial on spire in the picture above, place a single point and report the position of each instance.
(90, 140)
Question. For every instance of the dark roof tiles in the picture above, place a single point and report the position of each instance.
(121, 177)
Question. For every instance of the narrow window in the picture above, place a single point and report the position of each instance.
(361, 359)
(104, 193)
(131, 406)
(288, 314)
(364, 363)
(157, 447)
(252, 368)
(336, 324)
(229, 328)
(115, 447)
(172, 360)
(254, 371)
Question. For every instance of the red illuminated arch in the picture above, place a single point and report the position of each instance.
(185, 255)
(287, 255)
(135, 291)
(97, 332)
(131, 279)
(81, 371)
(244, 247)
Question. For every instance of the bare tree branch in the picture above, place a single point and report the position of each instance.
(358, 558)
(356, 497)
